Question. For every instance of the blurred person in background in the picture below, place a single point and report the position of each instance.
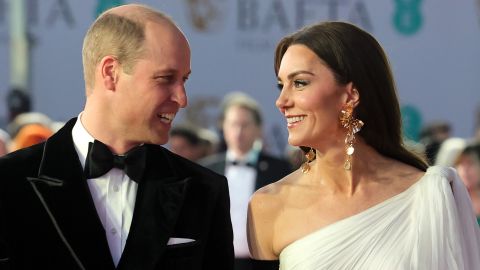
(431, 136)
(29, 135)
(245, 165)
(18, 102)
(449, 151)
(191, 142)
(27, 118)
(29, 128)
(468, 167)
(4, 142)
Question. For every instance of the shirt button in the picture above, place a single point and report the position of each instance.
(115, 188)
(113, 231)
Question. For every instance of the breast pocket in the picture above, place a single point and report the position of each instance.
(182, 256)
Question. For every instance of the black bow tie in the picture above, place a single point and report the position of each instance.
(241, 163)
(100, 160)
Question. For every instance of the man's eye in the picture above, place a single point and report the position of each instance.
(165, 79)
(280, 86)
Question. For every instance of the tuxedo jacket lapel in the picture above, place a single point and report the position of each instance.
(263, 173)
(220, 164)
(63, 191)
(159, 201)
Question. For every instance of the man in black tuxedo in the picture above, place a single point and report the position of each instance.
(101, 193)
(245, 165)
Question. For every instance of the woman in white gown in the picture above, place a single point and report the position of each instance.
(362, 200)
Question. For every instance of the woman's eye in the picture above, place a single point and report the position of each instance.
(280, 86)
(299, 83)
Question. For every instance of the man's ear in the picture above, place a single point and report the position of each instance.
(110, 69)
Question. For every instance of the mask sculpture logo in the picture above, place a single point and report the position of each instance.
(206, 15)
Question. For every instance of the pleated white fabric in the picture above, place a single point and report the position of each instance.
(431, 225)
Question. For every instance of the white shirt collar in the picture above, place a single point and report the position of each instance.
(81, 139)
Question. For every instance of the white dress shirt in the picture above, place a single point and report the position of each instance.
(241, 185)
(113, 194)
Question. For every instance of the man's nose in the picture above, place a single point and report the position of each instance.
(179, 96)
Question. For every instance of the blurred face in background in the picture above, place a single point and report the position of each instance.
(240, 130)
(468, 167)
(183, 147)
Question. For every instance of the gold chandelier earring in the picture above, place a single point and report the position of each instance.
(310, 156)
(353, 126)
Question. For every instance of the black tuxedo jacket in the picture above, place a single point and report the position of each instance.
(269, 169)
(48, 219)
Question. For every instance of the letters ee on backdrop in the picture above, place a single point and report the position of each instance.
(433, 45)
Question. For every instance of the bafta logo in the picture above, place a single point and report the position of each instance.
(206, 15)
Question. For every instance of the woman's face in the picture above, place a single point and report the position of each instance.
(468, 168)
(310, 98)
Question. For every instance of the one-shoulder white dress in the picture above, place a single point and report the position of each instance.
(431, 225)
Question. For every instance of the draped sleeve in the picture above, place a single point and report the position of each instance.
(430, 225)
(467, 221)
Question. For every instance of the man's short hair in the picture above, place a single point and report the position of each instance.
(188, 133)
(121, 36)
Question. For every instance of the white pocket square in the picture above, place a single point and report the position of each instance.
(176, 241)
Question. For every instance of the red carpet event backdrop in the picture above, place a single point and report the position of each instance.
(433, 45)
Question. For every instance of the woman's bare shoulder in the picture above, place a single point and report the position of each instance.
(267, 199)
(264, 207)
(271, 195)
